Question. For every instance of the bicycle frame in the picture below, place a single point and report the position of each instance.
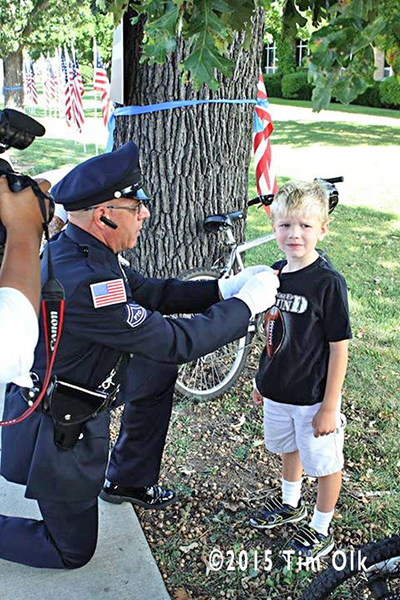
(238, 249)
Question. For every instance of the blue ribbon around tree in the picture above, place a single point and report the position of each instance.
(141, 110)
(13, 89)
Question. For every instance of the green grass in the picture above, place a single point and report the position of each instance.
(347, 108)
(325, 133)
(47, 154)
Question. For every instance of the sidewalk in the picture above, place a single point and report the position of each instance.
(122, 568)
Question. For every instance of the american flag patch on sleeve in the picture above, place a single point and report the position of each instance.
(106, 293)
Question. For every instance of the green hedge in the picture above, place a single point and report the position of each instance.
(273, 85)
(371, 96)
(390, 92)
(296, 86)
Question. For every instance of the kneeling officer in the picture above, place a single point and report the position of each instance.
(114, 332)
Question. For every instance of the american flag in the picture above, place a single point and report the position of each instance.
(30, 83)
(50, 83)
(78, 71)
(101, 84)
(78, 116)
(265, 175)
(67, 86)
(108, 292)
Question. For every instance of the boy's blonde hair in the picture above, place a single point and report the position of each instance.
(301, 197)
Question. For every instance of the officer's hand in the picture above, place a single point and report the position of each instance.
(231, 286)
(21, 210)
(259, 292)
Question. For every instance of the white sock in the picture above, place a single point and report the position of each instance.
(291, 492)
(321, 521)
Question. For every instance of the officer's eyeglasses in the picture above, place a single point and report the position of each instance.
(136, 208)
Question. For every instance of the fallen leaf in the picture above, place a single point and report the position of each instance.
(182, 594)
(187, 549)
(241, 421)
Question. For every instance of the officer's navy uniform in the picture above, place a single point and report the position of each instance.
(66, 482)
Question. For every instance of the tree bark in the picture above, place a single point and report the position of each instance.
(194, 160)
(13, 98)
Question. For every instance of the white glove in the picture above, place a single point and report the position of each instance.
(232, 285)
(259, 292)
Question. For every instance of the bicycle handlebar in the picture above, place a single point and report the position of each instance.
(267, 199)
(333, 179)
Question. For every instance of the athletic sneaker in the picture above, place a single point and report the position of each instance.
(274, 513)
(309, 543)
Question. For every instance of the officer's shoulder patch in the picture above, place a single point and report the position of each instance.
(109, 292)
(136, 314)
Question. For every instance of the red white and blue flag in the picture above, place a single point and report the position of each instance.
(108, 292)
(101, 84)
(30, 83)
(50, 83)
(77, 70)
(265, 174)
(77, 114)
(64, 59)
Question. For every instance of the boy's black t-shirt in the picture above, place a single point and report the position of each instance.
(311, 310)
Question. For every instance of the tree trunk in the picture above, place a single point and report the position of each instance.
(194, 160)
(13, 80)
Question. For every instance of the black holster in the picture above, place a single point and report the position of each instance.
(70, 407)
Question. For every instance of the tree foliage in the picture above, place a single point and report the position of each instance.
(43, 25)
(342, 60)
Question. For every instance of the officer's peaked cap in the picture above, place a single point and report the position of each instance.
(99, 179)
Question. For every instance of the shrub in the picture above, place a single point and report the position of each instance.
(273, 85)
(285, 56)
(390, 92)
(371, 96)
(295, 85)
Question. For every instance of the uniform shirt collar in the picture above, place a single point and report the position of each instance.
(96, 248)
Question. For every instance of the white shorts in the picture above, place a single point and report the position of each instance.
(288, 428)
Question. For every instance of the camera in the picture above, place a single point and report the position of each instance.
(17, 130)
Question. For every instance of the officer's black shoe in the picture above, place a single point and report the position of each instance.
(152, 496)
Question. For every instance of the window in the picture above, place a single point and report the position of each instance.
(270, 58)
(301, 52)
(387, 70)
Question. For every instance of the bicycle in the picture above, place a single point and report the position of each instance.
(379, 580)
(214, 374)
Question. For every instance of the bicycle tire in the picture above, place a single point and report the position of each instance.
(351, 582)
(211, 375)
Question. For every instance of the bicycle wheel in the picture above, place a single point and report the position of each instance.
(213, 374)
(381, 580)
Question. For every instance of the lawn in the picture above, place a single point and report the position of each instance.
(339, 134)
(337, 107)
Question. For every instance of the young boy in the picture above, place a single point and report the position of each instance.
(302, 368)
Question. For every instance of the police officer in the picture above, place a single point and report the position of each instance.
(114, 331)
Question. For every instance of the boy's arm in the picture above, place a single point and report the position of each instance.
(324, 421)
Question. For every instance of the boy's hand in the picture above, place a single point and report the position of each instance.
(257, 398)
(324, 422)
